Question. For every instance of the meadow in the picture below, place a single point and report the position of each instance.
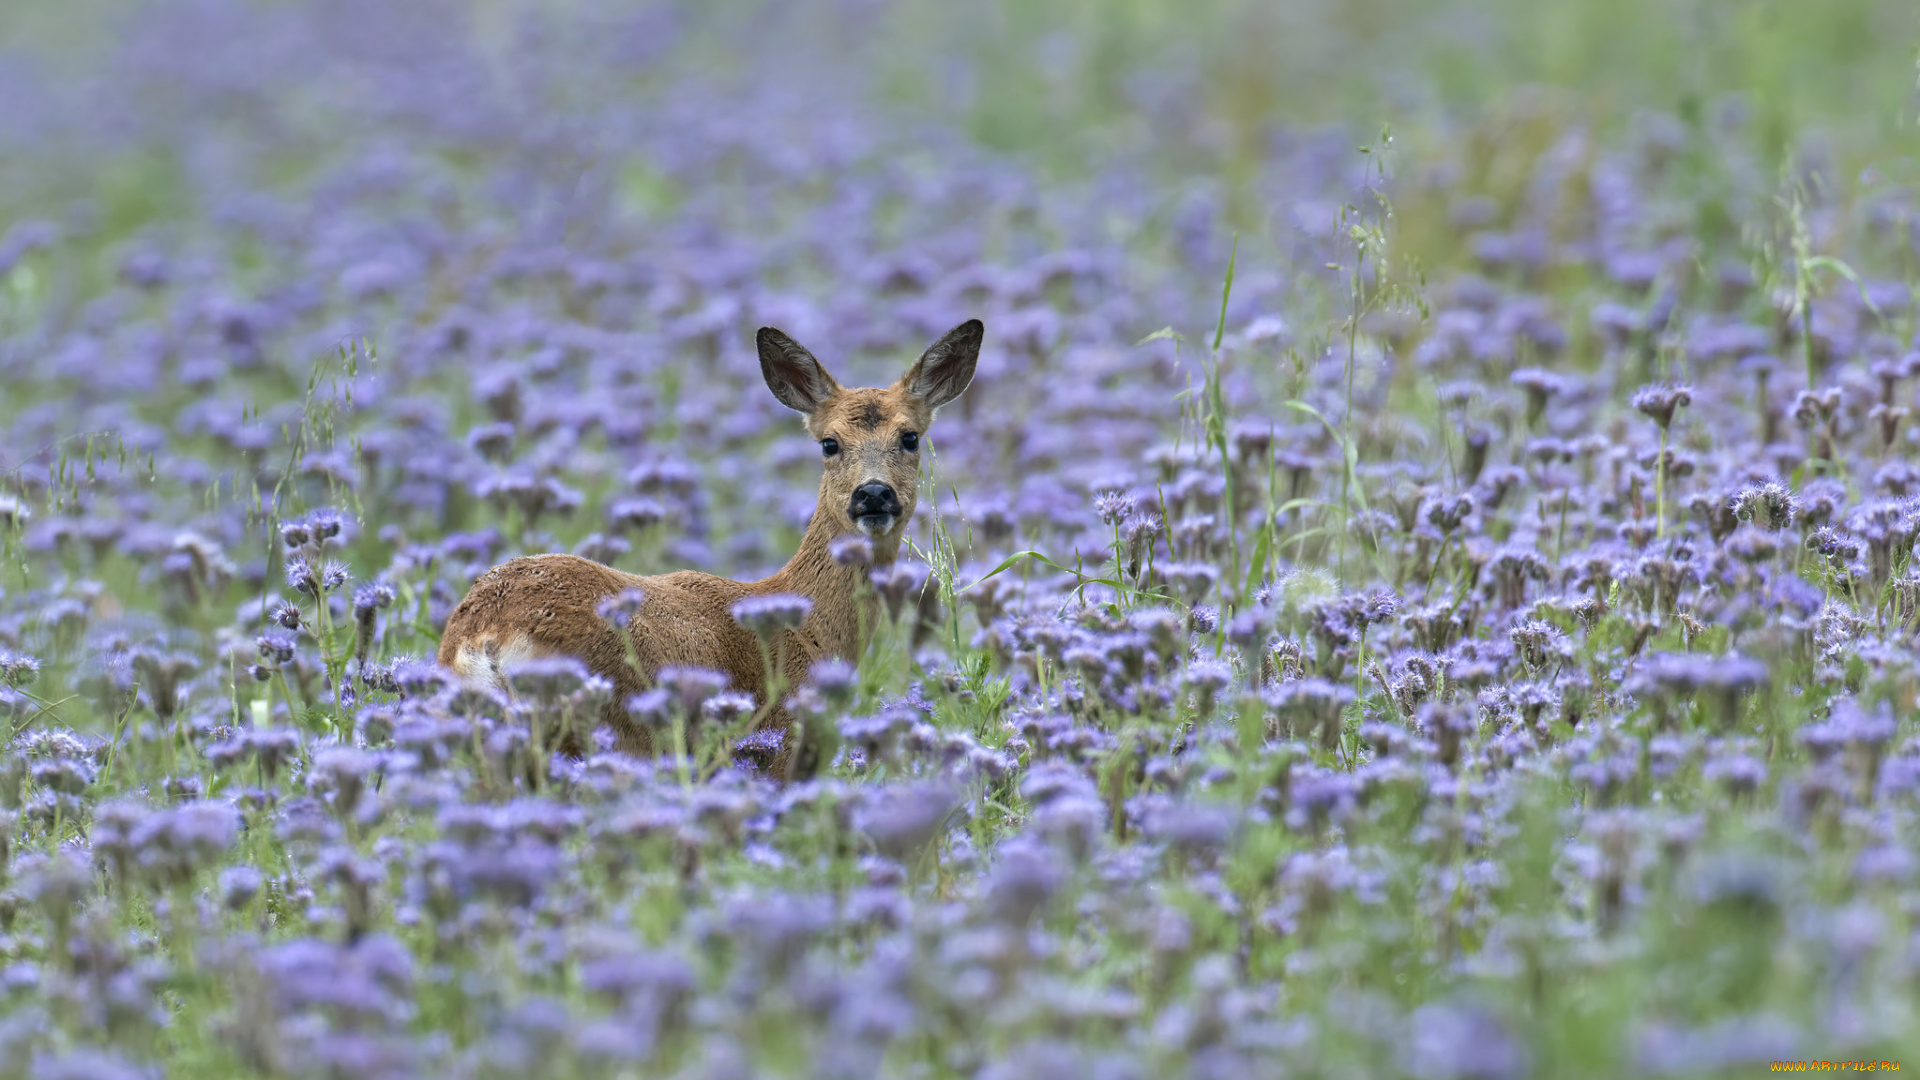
(1421, 583)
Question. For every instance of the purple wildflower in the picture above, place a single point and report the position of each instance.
(770, 613)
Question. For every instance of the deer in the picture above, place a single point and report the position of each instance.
(870, 441)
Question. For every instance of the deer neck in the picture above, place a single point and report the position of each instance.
(845, 606)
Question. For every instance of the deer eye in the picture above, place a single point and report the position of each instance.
(829, 447)
(910, 441)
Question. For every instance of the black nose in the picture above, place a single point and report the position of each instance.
(874, 498)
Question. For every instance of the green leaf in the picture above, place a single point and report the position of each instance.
(1351, 452)
(1226, 290)
(1296, 403)
(1303, 535)
(1165, 333)
(1827, 262)
(1005, 565)
(1257, 563)
(1010, 561)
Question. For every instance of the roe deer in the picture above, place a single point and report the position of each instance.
(548, 605)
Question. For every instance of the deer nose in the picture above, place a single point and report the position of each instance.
(874, 499)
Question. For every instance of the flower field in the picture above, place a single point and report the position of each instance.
(1421, 583)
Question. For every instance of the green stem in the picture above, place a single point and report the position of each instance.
(1560, 535)
(1806, 336)
(324, 618)
(1660, 489)
(680, 762)
(1346, 426)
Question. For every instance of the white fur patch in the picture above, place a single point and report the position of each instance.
(483, 661)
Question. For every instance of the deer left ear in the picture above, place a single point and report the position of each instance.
(944, 370)
(794, 376)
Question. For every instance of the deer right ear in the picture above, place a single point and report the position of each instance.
(946, 368)
(794, 376)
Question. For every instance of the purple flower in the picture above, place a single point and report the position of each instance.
(17, 669)
(1735, 1044)
(897, 582)
(172, 845)
(1448, 727)
(657, 979)
(89, 1064)
(851, 549)
(620, 609)
(1885, 862)
(634, 512)
(1540, 387)
(899, 820)
(302, 578)
(1739, 773)
(287, 614)
(1203, 619)
(1191, 580)
(325, 524)
(691, 687)
(334, 575)
(1462, 1041)
(1308, 706)
(1207, 678)
(768, 614)
(1193, 828)
(1660, 400)
(533, 496)
(602, 548)
(343, 772)
(274, 649)
(369, 598)
(1113, 505)
(1847, 724)
(1540, 643)
(1724, 679)
(368, 981)
(834, 678)
(758, 749)
(238, 886)
(1770, 505)
(728, 707)
(548, 679)
(1024, 877)
(492, 441)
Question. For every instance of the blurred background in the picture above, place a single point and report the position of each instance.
(124, 103)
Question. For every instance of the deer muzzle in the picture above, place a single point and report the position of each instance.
(874, 508)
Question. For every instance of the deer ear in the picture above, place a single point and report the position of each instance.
(944, 370)
(792, 373)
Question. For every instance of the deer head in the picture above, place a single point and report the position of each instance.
(869, 437)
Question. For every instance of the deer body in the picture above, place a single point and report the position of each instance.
(549, 605)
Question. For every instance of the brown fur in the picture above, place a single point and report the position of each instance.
(548, 604)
